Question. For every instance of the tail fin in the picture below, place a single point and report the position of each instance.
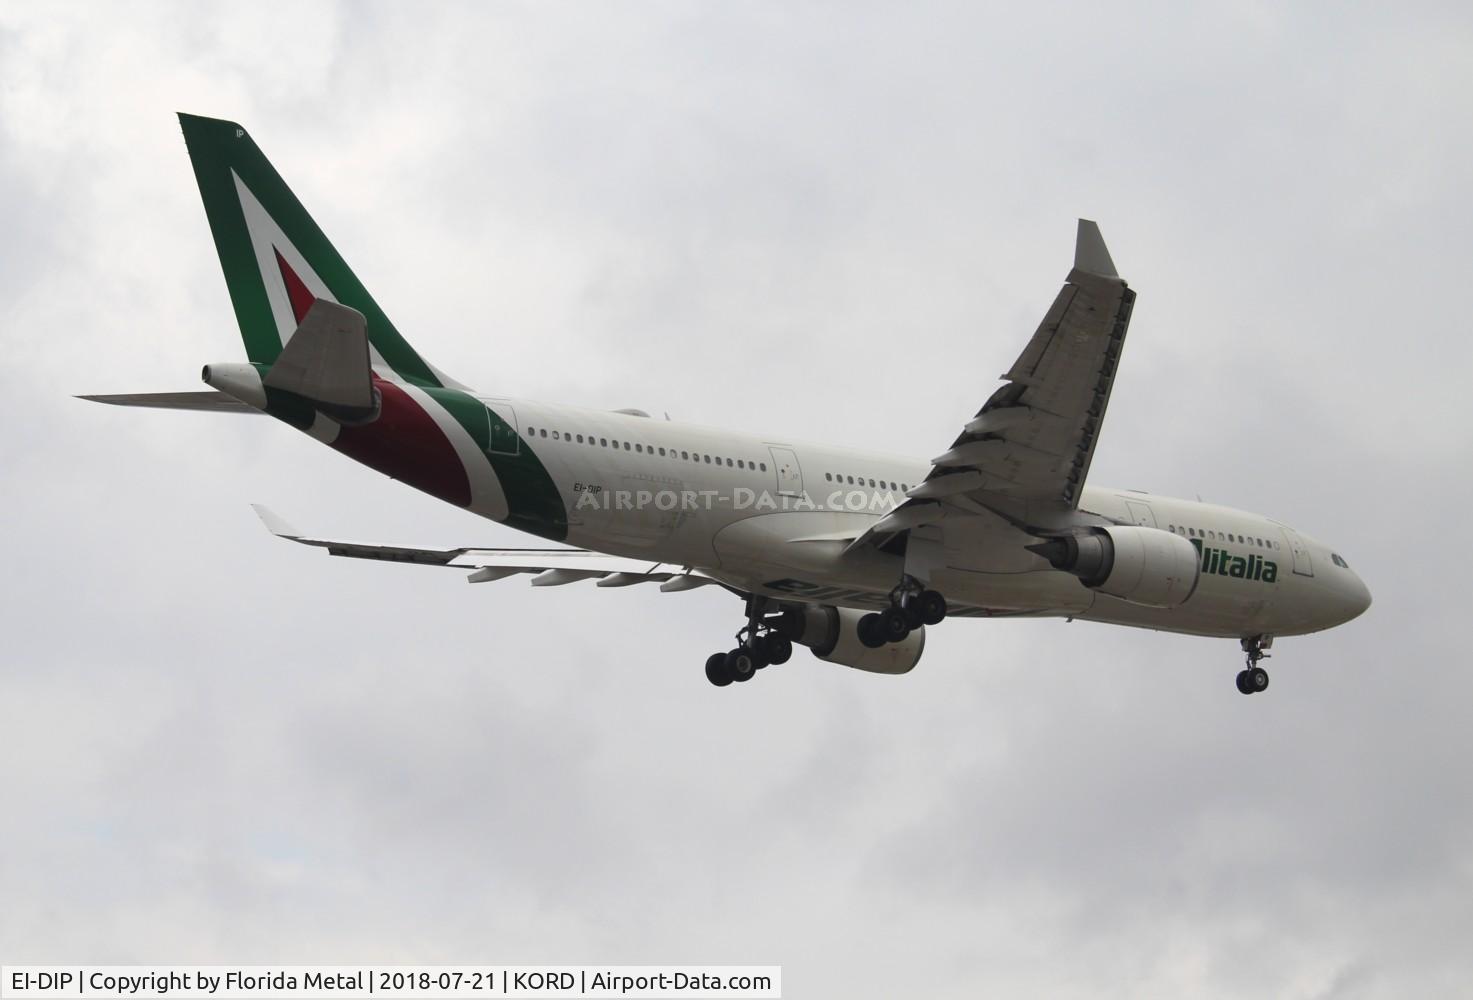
(275, 258)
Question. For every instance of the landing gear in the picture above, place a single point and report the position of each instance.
(1253, 678)
(894, 624)
(931, 606)
(778, 648)
(759, 644)
(741, 663)
(911, 606)
(871, 632)
(766, 639)
(716, 671)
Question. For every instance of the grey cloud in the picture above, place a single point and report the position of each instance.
(834, 225)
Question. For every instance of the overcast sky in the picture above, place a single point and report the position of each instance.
(822, 221)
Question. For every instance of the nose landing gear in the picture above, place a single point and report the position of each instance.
(1253, 678)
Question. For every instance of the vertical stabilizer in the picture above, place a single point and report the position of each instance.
(276, 260)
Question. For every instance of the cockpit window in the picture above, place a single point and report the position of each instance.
(1335, 558)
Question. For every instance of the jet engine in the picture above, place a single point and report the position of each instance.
(833, 635)
(1141, 565)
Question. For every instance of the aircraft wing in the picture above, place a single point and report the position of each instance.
(548, 567)
(1028, 450)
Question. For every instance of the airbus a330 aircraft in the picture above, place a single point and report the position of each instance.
(851, 553)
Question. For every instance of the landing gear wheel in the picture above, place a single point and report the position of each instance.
(913, 616)
(758, 651)
(870, 631)
(1254, 678)
(716, 671)
(932, 607)
(741, 664)
(893, 625)
(779, 648)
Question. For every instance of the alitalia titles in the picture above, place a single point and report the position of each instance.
(1222, 563)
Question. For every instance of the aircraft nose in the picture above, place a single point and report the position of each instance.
(1355, 596)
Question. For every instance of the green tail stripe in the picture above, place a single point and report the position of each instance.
(532, 498)
(218, 147)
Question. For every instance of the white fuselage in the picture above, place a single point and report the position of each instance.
(775, 517)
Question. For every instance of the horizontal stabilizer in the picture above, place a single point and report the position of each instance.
(326, 359)
(208, 401)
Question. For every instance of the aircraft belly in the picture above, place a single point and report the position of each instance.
(806, 546)
(1196, 618)
(1039, 590)
(1218, 607)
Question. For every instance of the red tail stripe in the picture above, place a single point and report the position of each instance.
(301, 296)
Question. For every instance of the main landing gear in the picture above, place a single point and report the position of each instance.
(759, 644)
(1253, 678)
(911, 606)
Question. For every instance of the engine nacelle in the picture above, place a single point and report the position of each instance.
(1141, 565)
(833, 635)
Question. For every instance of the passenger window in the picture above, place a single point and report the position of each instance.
(764, 466)
(728, 463)
(626, 445)
(684, 455)
(707, 459)
(828, 477)
(639, 448)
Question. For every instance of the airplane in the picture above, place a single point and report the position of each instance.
(848, 552)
